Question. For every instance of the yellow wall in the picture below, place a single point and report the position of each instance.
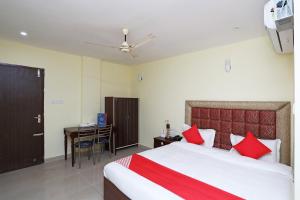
(91, 80)
(75, 80)
(116, 81)
(258, 74)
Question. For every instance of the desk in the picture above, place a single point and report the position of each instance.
(72, 132)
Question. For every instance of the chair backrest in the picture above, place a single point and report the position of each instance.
(87, 133)
(104, 132)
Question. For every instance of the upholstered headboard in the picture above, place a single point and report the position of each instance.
(267, 120)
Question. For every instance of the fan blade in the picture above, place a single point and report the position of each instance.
(147, 39)
(132, 56)
(104, 45)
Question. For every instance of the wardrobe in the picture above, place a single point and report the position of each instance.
(122, 113)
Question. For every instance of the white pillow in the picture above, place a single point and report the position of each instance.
(274, 145)
(208, 135)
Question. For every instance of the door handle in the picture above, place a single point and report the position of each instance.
(38, 134)
(38, 118)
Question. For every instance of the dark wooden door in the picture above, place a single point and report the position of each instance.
(21, 117)
(121, 118)
(132, 120)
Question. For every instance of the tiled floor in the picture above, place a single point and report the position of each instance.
(59, 180)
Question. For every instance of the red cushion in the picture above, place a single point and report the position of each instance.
(192, 135)
(251, 147)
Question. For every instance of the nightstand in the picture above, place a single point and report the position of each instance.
(161, 141)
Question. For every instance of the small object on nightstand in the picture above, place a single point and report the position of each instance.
(168, 135)
(177, 138)
(163, 133)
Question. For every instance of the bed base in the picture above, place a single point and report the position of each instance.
(111, 192)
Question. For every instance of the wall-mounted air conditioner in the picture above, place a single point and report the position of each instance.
(279, 23)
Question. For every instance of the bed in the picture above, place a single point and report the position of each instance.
(245, 177)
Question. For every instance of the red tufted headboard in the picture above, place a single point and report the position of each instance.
(226, 121)
(267, 120)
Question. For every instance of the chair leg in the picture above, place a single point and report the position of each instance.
(114, 144)
(101, 148)
(109, 148)
(89, 154)
(97, 151)
(79, 157)
(93, 154)
(74, 153)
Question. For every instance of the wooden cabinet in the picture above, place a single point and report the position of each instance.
(123, 114)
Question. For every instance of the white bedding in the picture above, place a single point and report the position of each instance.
(242, 176)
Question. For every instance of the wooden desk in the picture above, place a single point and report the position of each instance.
(72, 132)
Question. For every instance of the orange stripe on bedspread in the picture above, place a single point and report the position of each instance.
(180, 184)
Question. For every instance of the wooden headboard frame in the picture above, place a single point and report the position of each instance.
(282, 110)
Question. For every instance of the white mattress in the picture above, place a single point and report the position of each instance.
(242, 176)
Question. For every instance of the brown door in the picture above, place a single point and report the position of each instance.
(132, 120)
(121, 118)
(21, 117)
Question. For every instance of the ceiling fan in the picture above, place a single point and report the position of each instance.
(125, 46)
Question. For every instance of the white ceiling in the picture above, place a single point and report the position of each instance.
(180, 26)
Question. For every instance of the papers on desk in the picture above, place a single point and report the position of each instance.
(87, 124)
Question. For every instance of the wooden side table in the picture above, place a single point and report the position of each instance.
(161, 141)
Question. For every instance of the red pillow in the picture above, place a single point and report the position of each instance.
(251, 147)
(192, 135)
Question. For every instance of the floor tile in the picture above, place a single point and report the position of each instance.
(59, 180)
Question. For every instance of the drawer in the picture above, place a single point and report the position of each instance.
(159, 143)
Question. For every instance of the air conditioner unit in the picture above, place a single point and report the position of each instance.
(279, 23)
